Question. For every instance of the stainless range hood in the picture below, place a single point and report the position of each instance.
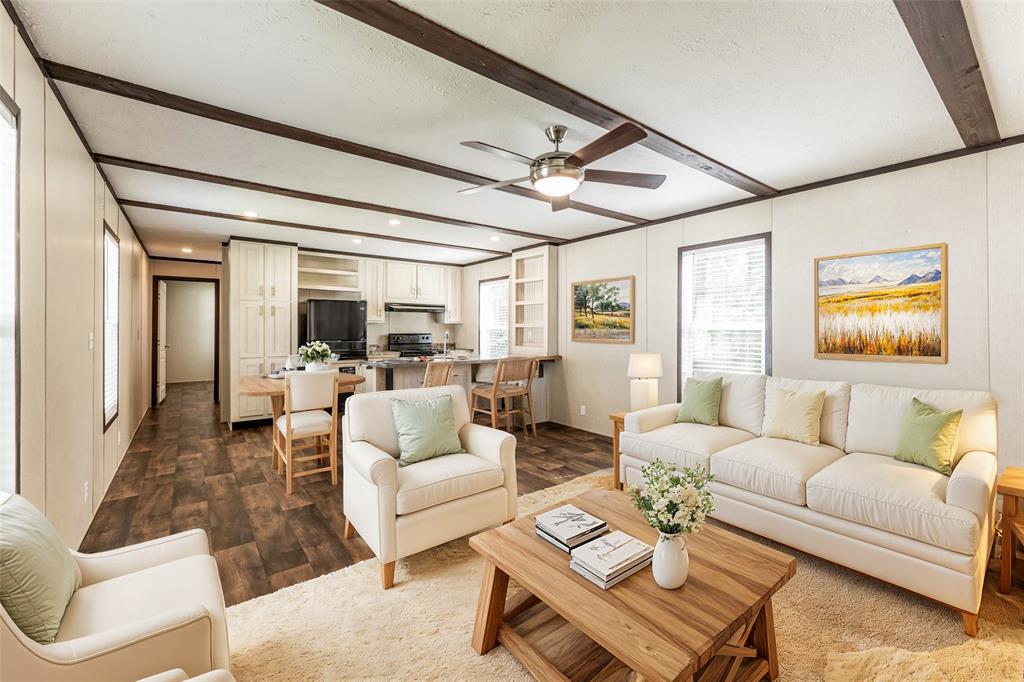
(414, 308)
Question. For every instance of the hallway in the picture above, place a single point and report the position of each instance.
(184, 469)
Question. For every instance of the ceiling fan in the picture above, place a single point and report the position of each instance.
(558, 174)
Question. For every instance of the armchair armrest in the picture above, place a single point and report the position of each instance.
(971, 485)
(117, 562)
(652, 418)
(498, 447)
(372, 463)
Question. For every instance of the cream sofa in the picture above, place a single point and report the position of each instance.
(140, 610)
(399, 511)
(847, 500)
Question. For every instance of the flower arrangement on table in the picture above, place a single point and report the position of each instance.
(674, 502)
(315, 355)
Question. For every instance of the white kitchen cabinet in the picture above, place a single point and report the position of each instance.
(453, 295)
(250, 329)
(373, 289)
(400, 281)
(430, 280)
(249, 270)
(277, 339)
(250, 406)
(278, 268)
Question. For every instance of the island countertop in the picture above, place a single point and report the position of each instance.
(399, 363)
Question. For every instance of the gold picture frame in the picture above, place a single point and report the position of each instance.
(610, 304)
(897, 314)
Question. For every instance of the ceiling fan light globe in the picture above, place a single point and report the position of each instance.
(557, 186)
(556, 178)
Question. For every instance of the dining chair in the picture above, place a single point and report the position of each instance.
(439, 373)
(513, 378)
(306, 395)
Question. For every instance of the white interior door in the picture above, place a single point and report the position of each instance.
(161, 341)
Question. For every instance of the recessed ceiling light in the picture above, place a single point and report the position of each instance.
(357, 241)
(495, 238)
(186, 250)
(251, 214)
(394, 221)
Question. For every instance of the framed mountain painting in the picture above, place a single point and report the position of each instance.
(882, 305)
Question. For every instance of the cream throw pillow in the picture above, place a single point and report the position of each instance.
(793, 416)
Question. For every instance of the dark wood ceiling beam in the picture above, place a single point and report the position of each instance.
(415, 29)
(940, 33)
(312, 196)
(141, 93)
(304, 226)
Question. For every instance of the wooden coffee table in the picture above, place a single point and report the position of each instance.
(718, 626)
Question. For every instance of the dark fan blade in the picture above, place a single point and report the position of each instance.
(493, 185)
(609, 143)
(558, 203)
(498, 151)
(644, 180)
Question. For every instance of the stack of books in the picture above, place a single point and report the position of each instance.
(568, 527)
(611, 558)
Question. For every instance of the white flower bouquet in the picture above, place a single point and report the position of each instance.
(317, 351)
(675, 500)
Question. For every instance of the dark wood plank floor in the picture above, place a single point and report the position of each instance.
(184, 469)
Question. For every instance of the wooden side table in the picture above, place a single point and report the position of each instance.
(1011, 486)
(618, 422)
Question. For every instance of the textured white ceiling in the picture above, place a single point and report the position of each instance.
(785, 92)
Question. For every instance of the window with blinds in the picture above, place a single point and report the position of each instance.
(8, 296)
(494, 318)
(111, 267)
(723, 307)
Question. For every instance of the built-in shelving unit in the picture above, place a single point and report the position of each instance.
(533, 305)
(328, 272)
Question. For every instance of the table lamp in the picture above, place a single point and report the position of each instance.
(644, 370)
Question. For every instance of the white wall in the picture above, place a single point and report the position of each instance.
(67, 457)
(974, 203)
(191, 313)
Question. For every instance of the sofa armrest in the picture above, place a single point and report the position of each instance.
(498, 447)
(652, 418)
(972, 482)
(372, 463)
(117, 562)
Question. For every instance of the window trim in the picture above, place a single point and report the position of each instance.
(767, 238)
(479, 327)
(8, 103)
(117, 391)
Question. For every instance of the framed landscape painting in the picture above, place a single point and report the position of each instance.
(602, 310)
(882, 305)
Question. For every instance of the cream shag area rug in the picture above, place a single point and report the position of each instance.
(831, 624)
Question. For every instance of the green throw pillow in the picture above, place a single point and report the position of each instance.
(38, 575)
(701, 399)
(929, 437)
(426, 429)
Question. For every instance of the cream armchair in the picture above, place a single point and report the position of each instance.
(140, 610)
(400, 511)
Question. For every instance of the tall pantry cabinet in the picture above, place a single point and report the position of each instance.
(262, 316)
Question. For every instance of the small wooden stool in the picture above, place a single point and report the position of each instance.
(513, 378)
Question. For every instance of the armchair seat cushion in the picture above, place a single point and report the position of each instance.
(681, 444)
(773, 467)
(306, 423)
(144, 594)
(444, 479)
(898, 497)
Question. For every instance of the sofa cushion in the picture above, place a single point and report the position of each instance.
(876, 417)
(898, 497)
(686, 445)
(426, 429)
(742, 405)
(793, 416)
(701, 400)
(772, 466)
(144, 594)
(370, 420)
(443, 479)
(929, 437)
(834, 410)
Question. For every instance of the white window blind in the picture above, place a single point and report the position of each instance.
(8, 300)
(723, 315)
(111, 267)
(494, 318)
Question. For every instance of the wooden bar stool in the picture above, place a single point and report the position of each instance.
(513, 378)
(439, 373)
(306, 394)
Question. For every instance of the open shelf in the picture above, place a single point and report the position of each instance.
(326, 287)
(327, 271)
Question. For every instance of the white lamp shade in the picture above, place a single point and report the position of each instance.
(644, 365)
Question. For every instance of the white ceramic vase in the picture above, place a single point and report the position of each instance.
(316, 366)
(671, 562)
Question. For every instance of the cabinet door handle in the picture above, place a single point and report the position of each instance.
(261, 311)
(273, 291)
(273, 312)
(261, 290)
